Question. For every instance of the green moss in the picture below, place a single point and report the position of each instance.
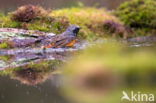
(49, 24)
(144, 32)
(8, 71)
(4, 45)
(5, 58)
(138, 13)
(46, 24)
(91, 20)
(44, 66)
(5, 21)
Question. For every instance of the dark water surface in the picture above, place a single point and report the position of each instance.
(8, 5)
(33, 82)
(12, 91)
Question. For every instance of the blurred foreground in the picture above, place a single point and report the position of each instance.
(101, 73)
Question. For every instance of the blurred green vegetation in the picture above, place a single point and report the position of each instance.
(103, 71)
(140, 15)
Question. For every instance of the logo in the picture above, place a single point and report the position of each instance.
(138, 96)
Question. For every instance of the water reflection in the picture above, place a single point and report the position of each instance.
(31, 77)
(31, 68)
(12, 91)
(16, 58)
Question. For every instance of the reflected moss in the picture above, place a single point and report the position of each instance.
(33, 73)
(8, 72)
(29, 76)
(45, 65)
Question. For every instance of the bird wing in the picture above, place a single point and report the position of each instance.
(63, 42)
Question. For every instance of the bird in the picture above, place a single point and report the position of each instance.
(66, 39)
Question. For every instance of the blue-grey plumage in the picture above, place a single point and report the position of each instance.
(72, 30)
(66, 39)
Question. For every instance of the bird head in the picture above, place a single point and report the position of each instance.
(73, 30)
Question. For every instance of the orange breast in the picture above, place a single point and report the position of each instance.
(71, 44)
(50, 45)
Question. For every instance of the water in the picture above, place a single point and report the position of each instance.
(12, 91)
(33, 75)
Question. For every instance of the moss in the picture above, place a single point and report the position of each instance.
(27, 13)
(90, 19)
(144, 32)
(8, 71)
(1, 14)
(6, 57)
(4, 45)
(43, 66)
(138, 13)
(49, 24)
(33, 73)
(117, 29)
(5, 21)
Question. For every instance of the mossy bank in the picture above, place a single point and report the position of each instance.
(139, 15)
(91, 20)
(132, 18)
